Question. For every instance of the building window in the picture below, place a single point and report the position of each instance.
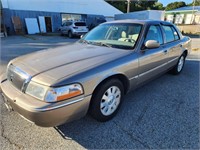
(170, 18)
(189, 19)
(179, 18)
(70, 17)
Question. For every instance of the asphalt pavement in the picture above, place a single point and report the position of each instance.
(163, 114)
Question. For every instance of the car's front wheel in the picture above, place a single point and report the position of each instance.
(106, 100)
(179, 66)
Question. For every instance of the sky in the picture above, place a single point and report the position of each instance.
(165, 2)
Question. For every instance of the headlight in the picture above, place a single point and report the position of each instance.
(62, 93)
(36, 90)
(53, 94)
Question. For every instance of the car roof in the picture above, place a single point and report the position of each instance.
(139, 21)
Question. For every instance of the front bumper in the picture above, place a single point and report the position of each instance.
(42, 113)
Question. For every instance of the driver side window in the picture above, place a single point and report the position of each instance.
(154, 33)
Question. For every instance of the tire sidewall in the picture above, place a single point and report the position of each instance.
(97, 97)
(178, 63)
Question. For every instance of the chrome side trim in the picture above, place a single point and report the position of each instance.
(58, 106)
(173, 59)
(135, 77)
(142, 74)
(147, 72)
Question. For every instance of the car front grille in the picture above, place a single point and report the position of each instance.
(17, 77)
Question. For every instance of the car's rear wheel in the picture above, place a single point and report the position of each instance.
(179, 66)
(106, 100)
(70, 34)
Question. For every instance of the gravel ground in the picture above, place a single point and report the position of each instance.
(162, 114)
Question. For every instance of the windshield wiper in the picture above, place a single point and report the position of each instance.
(103, 44)
(84, 41)
(95, 43)
(122, 46)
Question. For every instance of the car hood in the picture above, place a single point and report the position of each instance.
(48, 66)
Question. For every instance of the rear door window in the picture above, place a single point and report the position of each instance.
(176, 35)
(170, 33)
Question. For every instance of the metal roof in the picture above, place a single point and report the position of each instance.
(187, 8)
(96, 7)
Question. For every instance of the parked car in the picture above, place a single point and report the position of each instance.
(59, 85)
(73, 28)
(96, 22)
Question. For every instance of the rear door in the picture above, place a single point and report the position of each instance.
(172, 43)
(152, 61)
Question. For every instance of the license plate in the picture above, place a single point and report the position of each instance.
(81, 29)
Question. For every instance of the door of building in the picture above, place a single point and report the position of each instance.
(48, 24)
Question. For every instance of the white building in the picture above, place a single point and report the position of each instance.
(184, 15)
(142, 15)
(54, 11)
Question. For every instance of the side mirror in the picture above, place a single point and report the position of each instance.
(152, 44)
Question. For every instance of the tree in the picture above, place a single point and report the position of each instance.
(136, 5)
(175, 5)
(118, 4)
(158, 6)
(197, 3)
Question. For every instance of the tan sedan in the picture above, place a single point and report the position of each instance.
(59, 85)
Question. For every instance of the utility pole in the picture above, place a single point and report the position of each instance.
(128, 5)
(193, 16)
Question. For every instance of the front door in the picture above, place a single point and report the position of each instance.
(48, 24)
(152, 61)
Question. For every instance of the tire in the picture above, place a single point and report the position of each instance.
(179, 66)
(106, 100)
(70, 35)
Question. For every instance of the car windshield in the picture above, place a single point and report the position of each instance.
(118, 35)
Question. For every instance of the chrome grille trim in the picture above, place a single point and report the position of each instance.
(17, 77)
